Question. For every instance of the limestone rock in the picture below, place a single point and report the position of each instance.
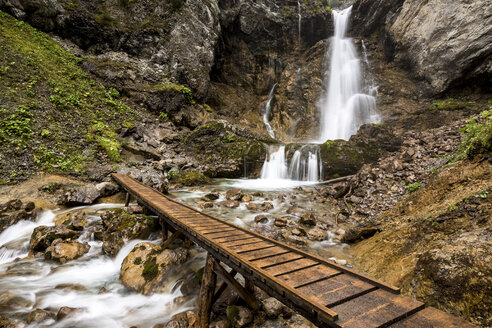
(273, 308)
(42, 237)
(316, 234)
(234, 194)
(65, 251)
(39, 315)
(66, 311)
(308, 219)
(86, 195)
(147, 266)
(121, 226)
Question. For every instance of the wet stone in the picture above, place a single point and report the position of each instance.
(261, 219)
(66, 311)
(39, 315)
(308, 219)
(234, 194)
(211, 196)
(280, 222)
(231, 203)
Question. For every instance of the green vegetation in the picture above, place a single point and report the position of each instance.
(49, 105)
(17, 124)
(477, 137)
(450, 104)
(104, 18)
(192, 179)
(413, 187)
(163, 117)
(150, 269)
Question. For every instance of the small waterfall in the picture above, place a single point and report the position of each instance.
(300, 19)
(268, 109)
(345, 107)
(305, 164)
(364, 52)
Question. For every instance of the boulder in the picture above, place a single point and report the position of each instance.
(211, 196)
(74, 220)
(86, 195)
(39, 315)
(272, 307)
(280, 222)
(65, 251)
(240, 316)
(231, 203)
(66, 311)
(147, 266)
(10, 218)
(308, 219)
(43, 236)
(182, 320)
(234, 194)
(119, 226)
(261, 219)
(316, 234)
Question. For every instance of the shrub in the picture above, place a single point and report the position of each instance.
(477, 137)
(413, 187)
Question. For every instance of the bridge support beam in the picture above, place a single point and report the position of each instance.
(242, 291)
(128, 198)
(207, 290)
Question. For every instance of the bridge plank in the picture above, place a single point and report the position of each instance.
(308, 276)
(250, 247)
(225, 234)
(276, 260)
(242, 242)
(378, 308)
(432, 318)
(240, 237)
(332, 291)
(210, 231)
(264, 253)
(290, 266)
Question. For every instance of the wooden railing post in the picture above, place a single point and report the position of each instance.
(128, 198)
(207, 290)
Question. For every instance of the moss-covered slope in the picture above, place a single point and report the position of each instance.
(53, 116)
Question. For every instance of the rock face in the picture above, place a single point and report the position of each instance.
(446, 43)
(147, 266)
(121, 226)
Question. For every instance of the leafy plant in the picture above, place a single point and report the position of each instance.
(413, 187)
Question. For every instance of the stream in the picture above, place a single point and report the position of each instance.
(91, 282)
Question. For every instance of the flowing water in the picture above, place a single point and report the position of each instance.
(345, 107)
(36, 283)
(268, 109)
(300, 19)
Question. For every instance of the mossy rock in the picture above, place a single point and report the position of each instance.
(341, 157)
(192, 179)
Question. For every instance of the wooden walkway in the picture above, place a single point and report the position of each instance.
(327, 294)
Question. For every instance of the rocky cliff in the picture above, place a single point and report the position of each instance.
(447, 44)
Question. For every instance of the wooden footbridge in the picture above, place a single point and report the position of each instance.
(327, 294)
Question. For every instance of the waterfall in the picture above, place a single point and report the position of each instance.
(305, 164)
(268, 109)
(345, 107)
(300, 19)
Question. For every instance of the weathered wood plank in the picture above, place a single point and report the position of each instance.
(378, 308)
(290, 266)
(207, 290)
(308, 276)
(432, 318)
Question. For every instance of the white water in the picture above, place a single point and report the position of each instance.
(268, 108)
(305, 165)
(40, 283)
(345, 107)
(300, 18)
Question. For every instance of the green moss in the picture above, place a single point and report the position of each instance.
(170, 87)
(104, 18)
(232, 312)
(150, 269)
(192, 179)
(138, 261)
(449, 104)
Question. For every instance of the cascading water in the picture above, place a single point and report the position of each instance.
(300, 19)
(268, 109)
(305, 164)
(345, 107)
